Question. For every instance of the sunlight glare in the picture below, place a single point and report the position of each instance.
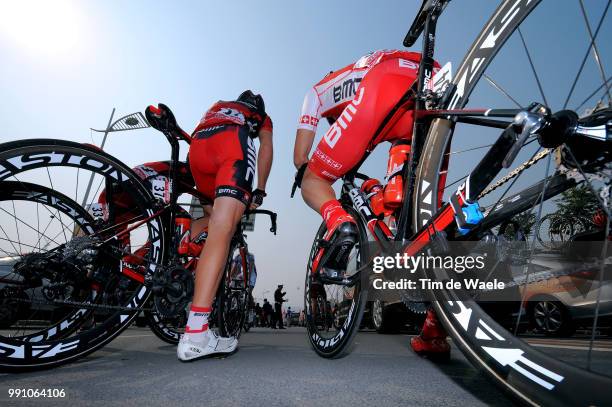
(41, 26)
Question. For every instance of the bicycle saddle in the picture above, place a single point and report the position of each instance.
(161, 118)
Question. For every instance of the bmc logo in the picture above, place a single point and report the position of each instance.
(335, 131)
(346, 89)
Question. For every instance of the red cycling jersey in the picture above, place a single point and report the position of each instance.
(357, 98)
(238, 113)
(222, 152)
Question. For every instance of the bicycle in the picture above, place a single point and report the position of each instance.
(73, 261)
(433, 214)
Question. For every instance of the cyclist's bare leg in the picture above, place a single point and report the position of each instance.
(199, 225)
(222, 224)
(316, 190)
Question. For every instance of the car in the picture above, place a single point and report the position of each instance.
(559, 294)
(394, 316)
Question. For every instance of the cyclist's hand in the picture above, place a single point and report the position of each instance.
(297, 183)
(257, 199)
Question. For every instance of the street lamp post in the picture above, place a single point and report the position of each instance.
(133, 121)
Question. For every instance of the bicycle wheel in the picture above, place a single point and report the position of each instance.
(168, 329)
(67, 246)
(550, 374)
(233, 294)
(23, 285)
(328, 339)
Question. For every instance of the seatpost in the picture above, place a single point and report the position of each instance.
(420, 123)
(174, 157)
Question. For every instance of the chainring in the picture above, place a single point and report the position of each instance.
(176, 291)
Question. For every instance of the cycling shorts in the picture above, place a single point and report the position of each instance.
(351, 136)
(222, 162)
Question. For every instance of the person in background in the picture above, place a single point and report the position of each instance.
(267, 313)
(258, 315)
(288, 317)
(278, 305)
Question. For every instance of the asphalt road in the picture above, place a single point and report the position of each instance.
(271, 368)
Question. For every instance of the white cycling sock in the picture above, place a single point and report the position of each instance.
(197, 323)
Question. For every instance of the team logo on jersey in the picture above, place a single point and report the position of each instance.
(250, 172)
(346, 89)
(335, 131)
(405, 63)
(230, 114)
(310, 120)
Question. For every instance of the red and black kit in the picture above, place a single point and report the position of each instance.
(222, 154)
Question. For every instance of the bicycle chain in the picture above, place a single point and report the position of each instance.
(76, 304)
(515, 172)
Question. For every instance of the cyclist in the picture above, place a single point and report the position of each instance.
(356, 101)
(222, 159)
(156, 177)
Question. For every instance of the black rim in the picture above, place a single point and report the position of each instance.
(326, 337)
(16, 355)
(529, 374)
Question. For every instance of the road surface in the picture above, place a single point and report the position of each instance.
(271, 368)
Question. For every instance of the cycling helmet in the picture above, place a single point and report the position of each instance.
(252, 99)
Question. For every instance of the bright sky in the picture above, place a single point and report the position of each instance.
(65, 65)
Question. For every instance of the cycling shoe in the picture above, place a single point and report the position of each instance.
(335, 250)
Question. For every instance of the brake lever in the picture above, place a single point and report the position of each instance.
(273, 219)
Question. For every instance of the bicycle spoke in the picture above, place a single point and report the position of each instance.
(17, 253)
(593, 94)
(56, 211)
(604, 252)
(533, 243)
(533, 70)
(26, 224)
(16, 226)
(455, 182)
(95, 194)
(469, 149)
(502, 90)
(586, 55)
(37, 221)
(595, 50)
(44, 231)
(8, 239)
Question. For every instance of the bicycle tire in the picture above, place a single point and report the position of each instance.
(39, 153)
(13, 190)
(231, 290)
(161, 329)
(340, 344)
(503, 357)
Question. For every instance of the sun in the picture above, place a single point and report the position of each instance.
(50, 27)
